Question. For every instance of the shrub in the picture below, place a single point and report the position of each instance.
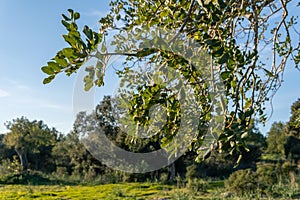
(31, 178)
(192, 172)
(266, 174)
(61, 172)
(9, 167)
(182, 196)
(288, 166)
(197, 185)
(242, 182)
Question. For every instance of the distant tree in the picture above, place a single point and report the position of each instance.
(256, 143)
(292, 154)
(293, 125)
(5, 152)
(105, 119)
(292, 145)
(73, 158)
(276, 139)
(29, 137)
(292, 148)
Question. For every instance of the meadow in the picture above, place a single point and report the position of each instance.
(148, 191)
(107, 191)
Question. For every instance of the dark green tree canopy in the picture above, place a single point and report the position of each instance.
(27, 136)
(276, 139)
(293, 125)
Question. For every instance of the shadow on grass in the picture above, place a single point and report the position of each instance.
(33, 178)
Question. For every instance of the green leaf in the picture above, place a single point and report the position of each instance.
(61, 61)
(68, 52)
(222, 4)
(213, 42)
(66, 24)
(88, 85)
(233, 83)
(222, 137)
(88, 80)
(88, 32)
(99, 82)
(70, 40)
(76, 16)
(218, 52)
(54, 66)
(270, 74)
(71, 12)
(48, 70)
(146, 52)
(224, 58)
(248, 113)
(48, 80)
(164, 13)
(231, 64)
(66, 18)
(225, 75)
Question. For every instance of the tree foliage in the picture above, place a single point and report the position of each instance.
(292, 145)
(30, 138)
(293, 125)
(5, 152)
(276, 139)
(72, 158)
(235, 35)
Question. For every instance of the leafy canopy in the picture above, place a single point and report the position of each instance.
(247, 44)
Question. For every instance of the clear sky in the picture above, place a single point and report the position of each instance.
(30, 35)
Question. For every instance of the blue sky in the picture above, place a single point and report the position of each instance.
(30, 35)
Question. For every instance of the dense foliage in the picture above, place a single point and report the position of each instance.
(32, 140)
(234, 36)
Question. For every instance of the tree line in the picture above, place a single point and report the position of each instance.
(33, 146)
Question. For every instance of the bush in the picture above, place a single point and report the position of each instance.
(182, 196)
(192, 172)
(9, 167)
(61, 172)
(266, 174)
(31, 178)
(242, 182)
(197, 185)
(288, 166)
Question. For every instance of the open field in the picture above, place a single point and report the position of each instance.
(108, 191)
(147, 191)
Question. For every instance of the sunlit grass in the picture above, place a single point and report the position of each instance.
(138, 191)
(107, 191)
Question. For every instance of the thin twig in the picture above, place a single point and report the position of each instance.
(184, 22)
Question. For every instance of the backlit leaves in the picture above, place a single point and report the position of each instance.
(231, 33)
(71, 58)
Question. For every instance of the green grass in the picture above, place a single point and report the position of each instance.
(153, 191)
(107, 191)
(35, 185)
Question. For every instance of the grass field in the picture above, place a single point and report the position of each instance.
(154, 191)
(107, 191)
